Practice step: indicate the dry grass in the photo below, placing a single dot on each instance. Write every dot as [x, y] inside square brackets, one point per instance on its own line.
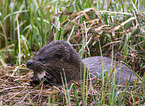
[16, 90]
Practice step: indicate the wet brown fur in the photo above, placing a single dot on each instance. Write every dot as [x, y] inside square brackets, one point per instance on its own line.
[55, 58]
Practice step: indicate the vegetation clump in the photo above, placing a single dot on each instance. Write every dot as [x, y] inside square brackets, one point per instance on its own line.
[113, 29]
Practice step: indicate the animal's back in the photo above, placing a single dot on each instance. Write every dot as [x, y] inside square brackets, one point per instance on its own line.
[123, 73]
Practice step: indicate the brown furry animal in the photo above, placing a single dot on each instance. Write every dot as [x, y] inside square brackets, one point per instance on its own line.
[54, 58]
[59, 57]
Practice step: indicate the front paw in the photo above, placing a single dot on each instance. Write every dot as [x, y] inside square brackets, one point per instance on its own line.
[48, 81]
[34, 81]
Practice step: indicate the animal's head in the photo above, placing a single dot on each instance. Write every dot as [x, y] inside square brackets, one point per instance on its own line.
[52, 58]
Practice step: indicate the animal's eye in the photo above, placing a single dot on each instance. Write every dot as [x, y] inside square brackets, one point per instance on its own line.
[40, 60]
[59, 56]
[43, 60]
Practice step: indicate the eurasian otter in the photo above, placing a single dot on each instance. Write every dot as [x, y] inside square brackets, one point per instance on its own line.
[57, 57]
[54, 58]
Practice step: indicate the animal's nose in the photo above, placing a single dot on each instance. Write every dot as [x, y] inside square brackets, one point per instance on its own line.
[29, 63]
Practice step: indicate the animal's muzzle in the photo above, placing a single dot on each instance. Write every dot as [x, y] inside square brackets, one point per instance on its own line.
[29, 63]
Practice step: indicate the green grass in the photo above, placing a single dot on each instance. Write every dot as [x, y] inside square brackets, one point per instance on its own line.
[96, 27]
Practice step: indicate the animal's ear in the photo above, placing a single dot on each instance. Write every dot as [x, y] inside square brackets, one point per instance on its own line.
[62, 53]
[59, 53]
